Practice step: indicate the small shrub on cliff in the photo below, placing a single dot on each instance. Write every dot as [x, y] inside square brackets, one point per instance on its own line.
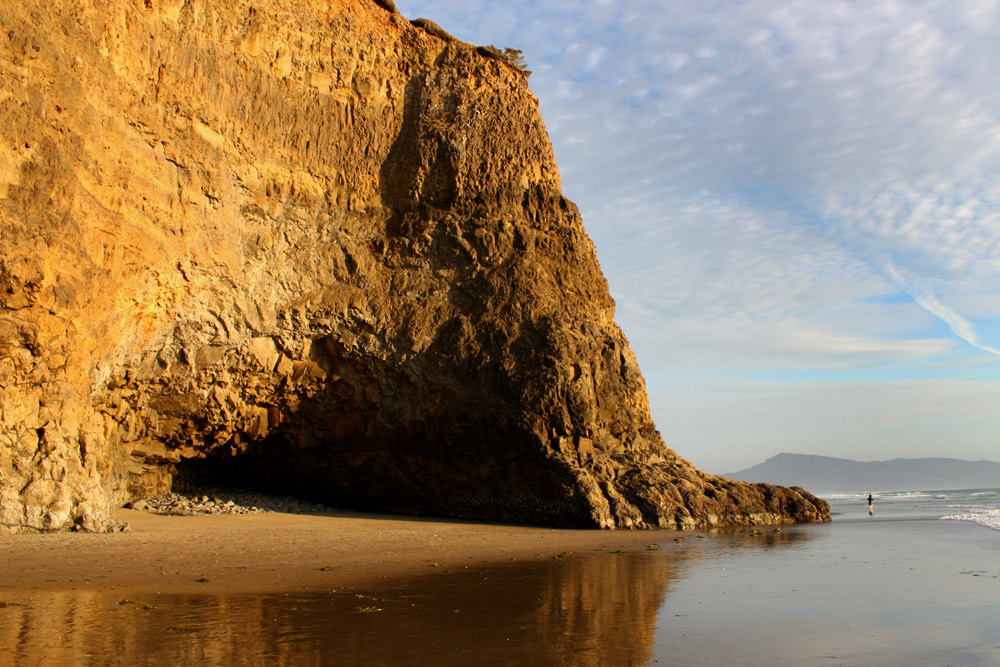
[513, 57]
[491, 52]
[433, 28]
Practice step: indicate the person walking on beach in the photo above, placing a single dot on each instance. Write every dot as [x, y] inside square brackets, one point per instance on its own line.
[871, 508]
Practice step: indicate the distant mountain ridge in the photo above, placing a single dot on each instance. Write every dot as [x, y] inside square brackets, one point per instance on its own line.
[825, 474]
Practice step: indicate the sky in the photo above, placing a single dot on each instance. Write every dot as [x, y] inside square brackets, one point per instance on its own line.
[796, 204]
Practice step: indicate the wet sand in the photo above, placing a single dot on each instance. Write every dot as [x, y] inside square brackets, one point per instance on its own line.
[273, 553]
[907, 589]
[918, 592]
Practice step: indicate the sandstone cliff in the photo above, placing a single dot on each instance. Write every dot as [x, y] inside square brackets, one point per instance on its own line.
[313, 248]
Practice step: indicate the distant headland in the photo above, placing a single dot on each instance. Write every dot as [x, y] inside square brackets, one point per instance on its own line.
[825, 474]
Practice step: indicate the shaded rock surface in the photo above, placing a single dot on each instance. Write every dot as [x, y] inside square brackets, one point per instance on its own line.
[313, 249]
[223, 501]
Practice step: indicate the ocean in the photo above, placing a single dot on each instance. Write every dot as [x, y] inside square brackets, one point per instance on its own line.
[980, 506]
[917, 583]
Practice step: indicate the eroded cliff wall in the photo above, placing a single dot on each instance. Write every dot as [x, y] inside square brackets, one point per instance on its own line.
[311, 247]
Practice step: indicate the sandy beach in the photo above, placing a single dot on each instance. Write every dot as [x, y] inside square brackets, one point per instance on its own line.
[344, 589]
[275, 552]
[900, 588]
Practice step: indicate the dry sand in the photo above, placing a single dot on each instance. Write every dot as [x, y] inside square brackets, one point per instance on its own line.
[275, 552]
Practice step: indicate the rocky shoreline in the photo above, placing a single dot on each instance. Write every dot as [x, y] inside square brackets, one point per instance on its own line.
[224, 501]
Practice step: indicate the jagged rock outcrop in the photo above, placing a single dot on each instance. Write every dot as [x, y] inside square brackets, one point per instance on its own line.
[313, 248]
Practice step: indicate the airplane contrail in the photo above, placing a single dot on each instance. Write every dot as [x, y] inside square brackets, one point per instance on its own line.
[924, 298]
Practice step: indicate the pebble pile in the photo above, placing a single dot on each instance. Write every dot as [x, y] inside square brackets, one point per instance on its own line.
[218, 501]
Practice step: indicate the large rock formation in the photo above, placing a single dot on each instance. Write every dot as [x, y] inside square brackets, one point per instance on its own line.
[312, 248]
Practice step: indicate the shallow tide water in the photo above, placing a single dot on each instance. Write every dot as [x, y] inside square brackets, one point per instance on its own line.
[900, 588]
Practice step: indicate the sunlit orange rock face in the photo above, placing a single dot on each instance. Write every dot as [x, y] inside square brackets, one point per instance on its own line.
[312, 248]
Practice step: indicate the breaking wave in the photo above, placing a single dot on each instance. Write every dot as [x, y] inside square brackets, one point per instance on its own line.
[984, 517]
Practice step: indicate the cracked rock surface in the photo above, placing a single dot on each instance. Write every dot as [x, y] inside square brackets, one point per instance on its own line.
[313, 249]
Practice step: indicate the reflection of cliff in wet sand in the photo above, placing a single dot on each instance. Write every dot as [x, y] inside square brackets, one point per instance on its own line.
[588, 609]
[314, 248]
[602, 611]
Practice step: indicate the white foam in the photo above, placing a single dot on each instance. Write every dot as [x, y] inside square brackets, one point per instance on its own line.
[880, 495]
[905, 495]
[985, 517]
